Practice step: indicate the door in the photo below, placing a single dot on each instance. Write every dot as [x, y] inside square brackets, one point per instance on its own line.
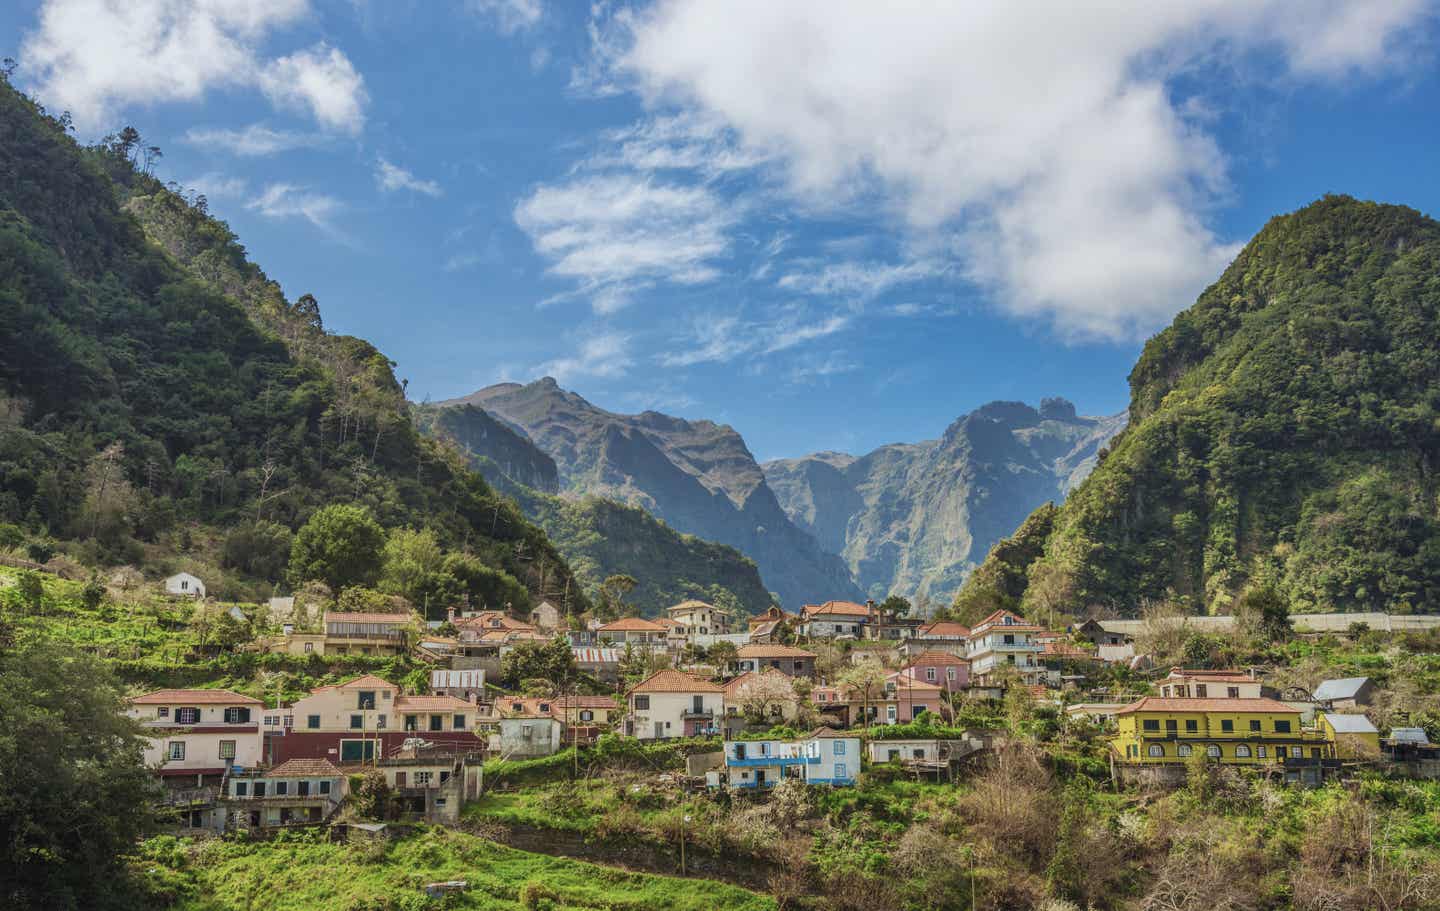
[659, 730]
[399, 779]
[759, 778]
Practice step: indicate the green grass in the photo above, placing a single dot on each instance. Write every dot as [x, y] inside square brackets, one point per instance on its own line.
[302, 872]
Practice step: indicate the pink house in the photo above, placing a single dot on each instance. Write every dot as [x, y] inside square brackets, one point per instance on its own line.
[949, 672]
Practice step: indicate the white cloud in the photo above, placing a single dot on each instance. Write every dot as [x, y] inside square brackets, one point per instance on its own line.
[253, 141]
[510, 15]
[689, 142]
[722, 338]
[322, 81]
[283, 200]
[214, 185]
[1044, 140]
[392, 177]
[604, 355]
[859, 279]
[809, 371]
[94, 57]
[615, 233]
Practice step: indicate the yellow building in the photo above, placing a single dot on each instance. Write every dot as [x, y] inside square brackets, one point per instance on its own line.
[1355, 737]
[1156, 730]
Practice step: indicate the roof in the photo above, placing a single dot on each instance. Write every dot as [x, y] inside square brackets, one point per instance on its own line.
[359, 617]
[306, 768]
[847, 608]
[693, 604]
[945, 629]
[1178, 704]
[1057, 649]
[672, 681]
[1351, 724]
[935, 656]
[1342, 688]
[1226, 675]
[761, 650]
[197, 697]
[363, 680]
[632, 625]
[432, 704]
[1409, 735]
[586, 702]
[1007, 620]
[763, 627]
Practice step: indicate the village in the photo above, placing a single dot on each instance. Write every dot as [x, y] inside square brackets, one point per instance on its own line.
[815, 698]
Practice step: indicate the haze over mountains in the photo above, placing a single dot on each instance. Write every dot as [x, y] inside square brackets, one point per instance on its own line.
[911, 518]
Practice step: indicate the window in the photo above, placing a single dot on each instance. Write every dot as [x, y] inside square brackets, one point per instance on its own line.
[1157, 749]
[544, 708]
[163, 712]
[379, 722]
[241, 788]
[227, 749]
[642, 703]
[1255, 725]
[259, 789]
[1201, 691]
[1296, 752]
[1260, 752]
[587, 715]
[458, 722]
[890, 713]
[422, 779]
[357, 722]
[841, 771]
[1170, 725]
[272, 721]
[1212, 750]
[919, 752]
[1282, 727]
[177, 750]
[237, 716]
[930, 673]
[839, 748]
[1191, 726]
[949, 673]
[739, 751]
[1233, 692]
[1242, 751]
[302, 788]
[187, 716]
[437, 722]
[357, 750]
[412, 722]
[1227, 725]
[1009, 638]
[1150, 724]
[312, 721]
[309, 647]
[1184, 749]
[282, 788]
[325, 787]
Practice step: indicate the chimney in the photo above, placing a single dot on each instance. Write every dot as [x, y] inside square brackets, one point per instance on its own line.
[450, 614]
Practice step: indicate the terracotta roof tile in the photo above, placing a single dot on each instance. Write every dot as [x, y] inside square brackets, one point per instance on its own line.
[306, 768]
[197, 697]
[432, 704]
[672, 681]
[761, 650]
[1177, 704]
[357, 617]
[845, 608]
[632, 625]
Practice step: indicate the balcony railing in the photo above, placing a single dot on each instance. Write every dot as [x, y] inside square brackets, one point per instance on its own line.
[694, 713]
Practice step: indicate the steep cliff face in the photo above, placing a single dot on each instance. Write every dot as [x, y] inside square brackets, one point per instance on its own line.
[1284, 433]
[697, 476]
[914, 518]
[495, 449]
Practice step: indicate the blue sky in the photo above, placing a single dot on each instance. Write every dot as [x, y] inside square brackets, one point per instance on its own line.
[831, 231]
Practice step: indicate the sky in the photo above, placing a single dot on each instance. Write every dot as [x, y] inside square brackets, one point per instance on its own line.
[832, 224]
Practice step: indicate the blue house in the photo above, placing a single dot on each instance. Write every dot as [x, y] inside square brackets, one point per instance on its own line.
[822, 757]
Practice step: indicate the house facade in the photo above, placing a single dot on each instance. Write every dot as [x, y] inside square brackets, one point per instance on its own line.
[633, 631]
[184, 585]
[700, 618]
[197, 736]
[298, 792]
[468, 684]
[824, 756]
[836, 619]
[669, 703]
[788, 660]
[546, 617]
[1158, 730]
[1354, 735]
[949, 672]
[352, 633]
[1202, 684]
[1005, 639]
[368, 718]
[528, 736]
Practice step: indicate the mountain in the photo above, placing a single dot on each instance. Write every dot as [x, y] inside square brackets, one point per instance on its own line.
[915, 518]
[162, 400]
[698, 477]
[1284, 436]
[599, 537]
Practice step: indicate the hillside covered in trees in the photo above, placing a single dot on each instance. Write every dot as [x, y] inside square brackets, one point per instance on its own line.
[1284, 437]
[164, 405]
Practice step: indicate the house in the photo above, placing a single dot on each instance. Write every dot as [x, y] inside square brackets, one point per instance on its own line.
[1112, 645]
[1355, 736]
[1181, 684]
[769, 626]
[295, 793]
[430, 780]
[1345, 692]
[1244, 731]
[1005, 639]
[923, 750]
[669, 703]
[769, 693]
[368, 718]
[354, 633]
[468, 685]
[836, 619]
[197, 736]
[900, 700]
[795, 662]
[528, 736]
[949, 672]
[184, 585]
[546, 617]
[633, 631]
[824, 756]
[601, 663]
[699, 618]
[587, 711]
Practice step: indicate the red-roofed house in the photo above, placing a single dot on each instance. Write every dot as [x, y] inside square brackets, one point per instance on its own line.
[1005, 639]
[836, 619]
[670, 703]
[633, 630]
[949, 672]
[368, 717]
[196, 735]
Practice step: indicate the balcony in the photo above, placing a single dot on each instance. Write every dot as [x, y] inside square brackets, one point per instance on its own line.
[692, 714]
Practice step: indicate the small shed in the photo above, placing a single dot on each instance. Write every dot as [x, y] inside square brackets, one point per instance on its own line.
[1355, 737]
[1345, 692]
[184, 585]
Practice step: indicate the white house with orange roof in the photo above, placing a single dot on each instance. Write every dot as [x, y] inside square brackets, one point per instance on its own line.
[700, 618]
[633, 631]
[1005, 639]
[197, 736]
[670, 703]
[1201, 684]
[836, 619]
[368, 717]
[795, 662]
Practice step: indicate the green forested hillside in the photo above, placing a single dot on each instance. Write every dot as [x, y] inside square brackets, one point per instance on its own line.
[161, 400]
[1284, 433]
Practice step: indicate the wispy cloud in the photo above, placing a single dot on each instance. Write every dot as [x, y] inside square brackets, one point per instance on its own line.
[715, 338]
[863, 280]
[322, 81]
[509, 16]
[811, 372]
[214, 185]
[391, 177]
[253, 141]
[283, 200]
[602, 356]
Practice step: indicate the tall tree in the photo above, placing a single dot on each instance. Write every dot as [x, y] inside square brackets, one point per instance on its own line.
[340, 546]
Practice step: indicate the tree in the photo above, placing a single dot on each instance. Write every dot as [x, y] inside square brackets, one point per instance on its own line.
[31, 590]
[1264, 613]
[866, 679]
[895, 607]
[74, 792]
[612, 595]
[414, 568]
[260, 549]
[552, 661]
[484, 586]
[764, 695]
[723, 654]
[340, 545]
